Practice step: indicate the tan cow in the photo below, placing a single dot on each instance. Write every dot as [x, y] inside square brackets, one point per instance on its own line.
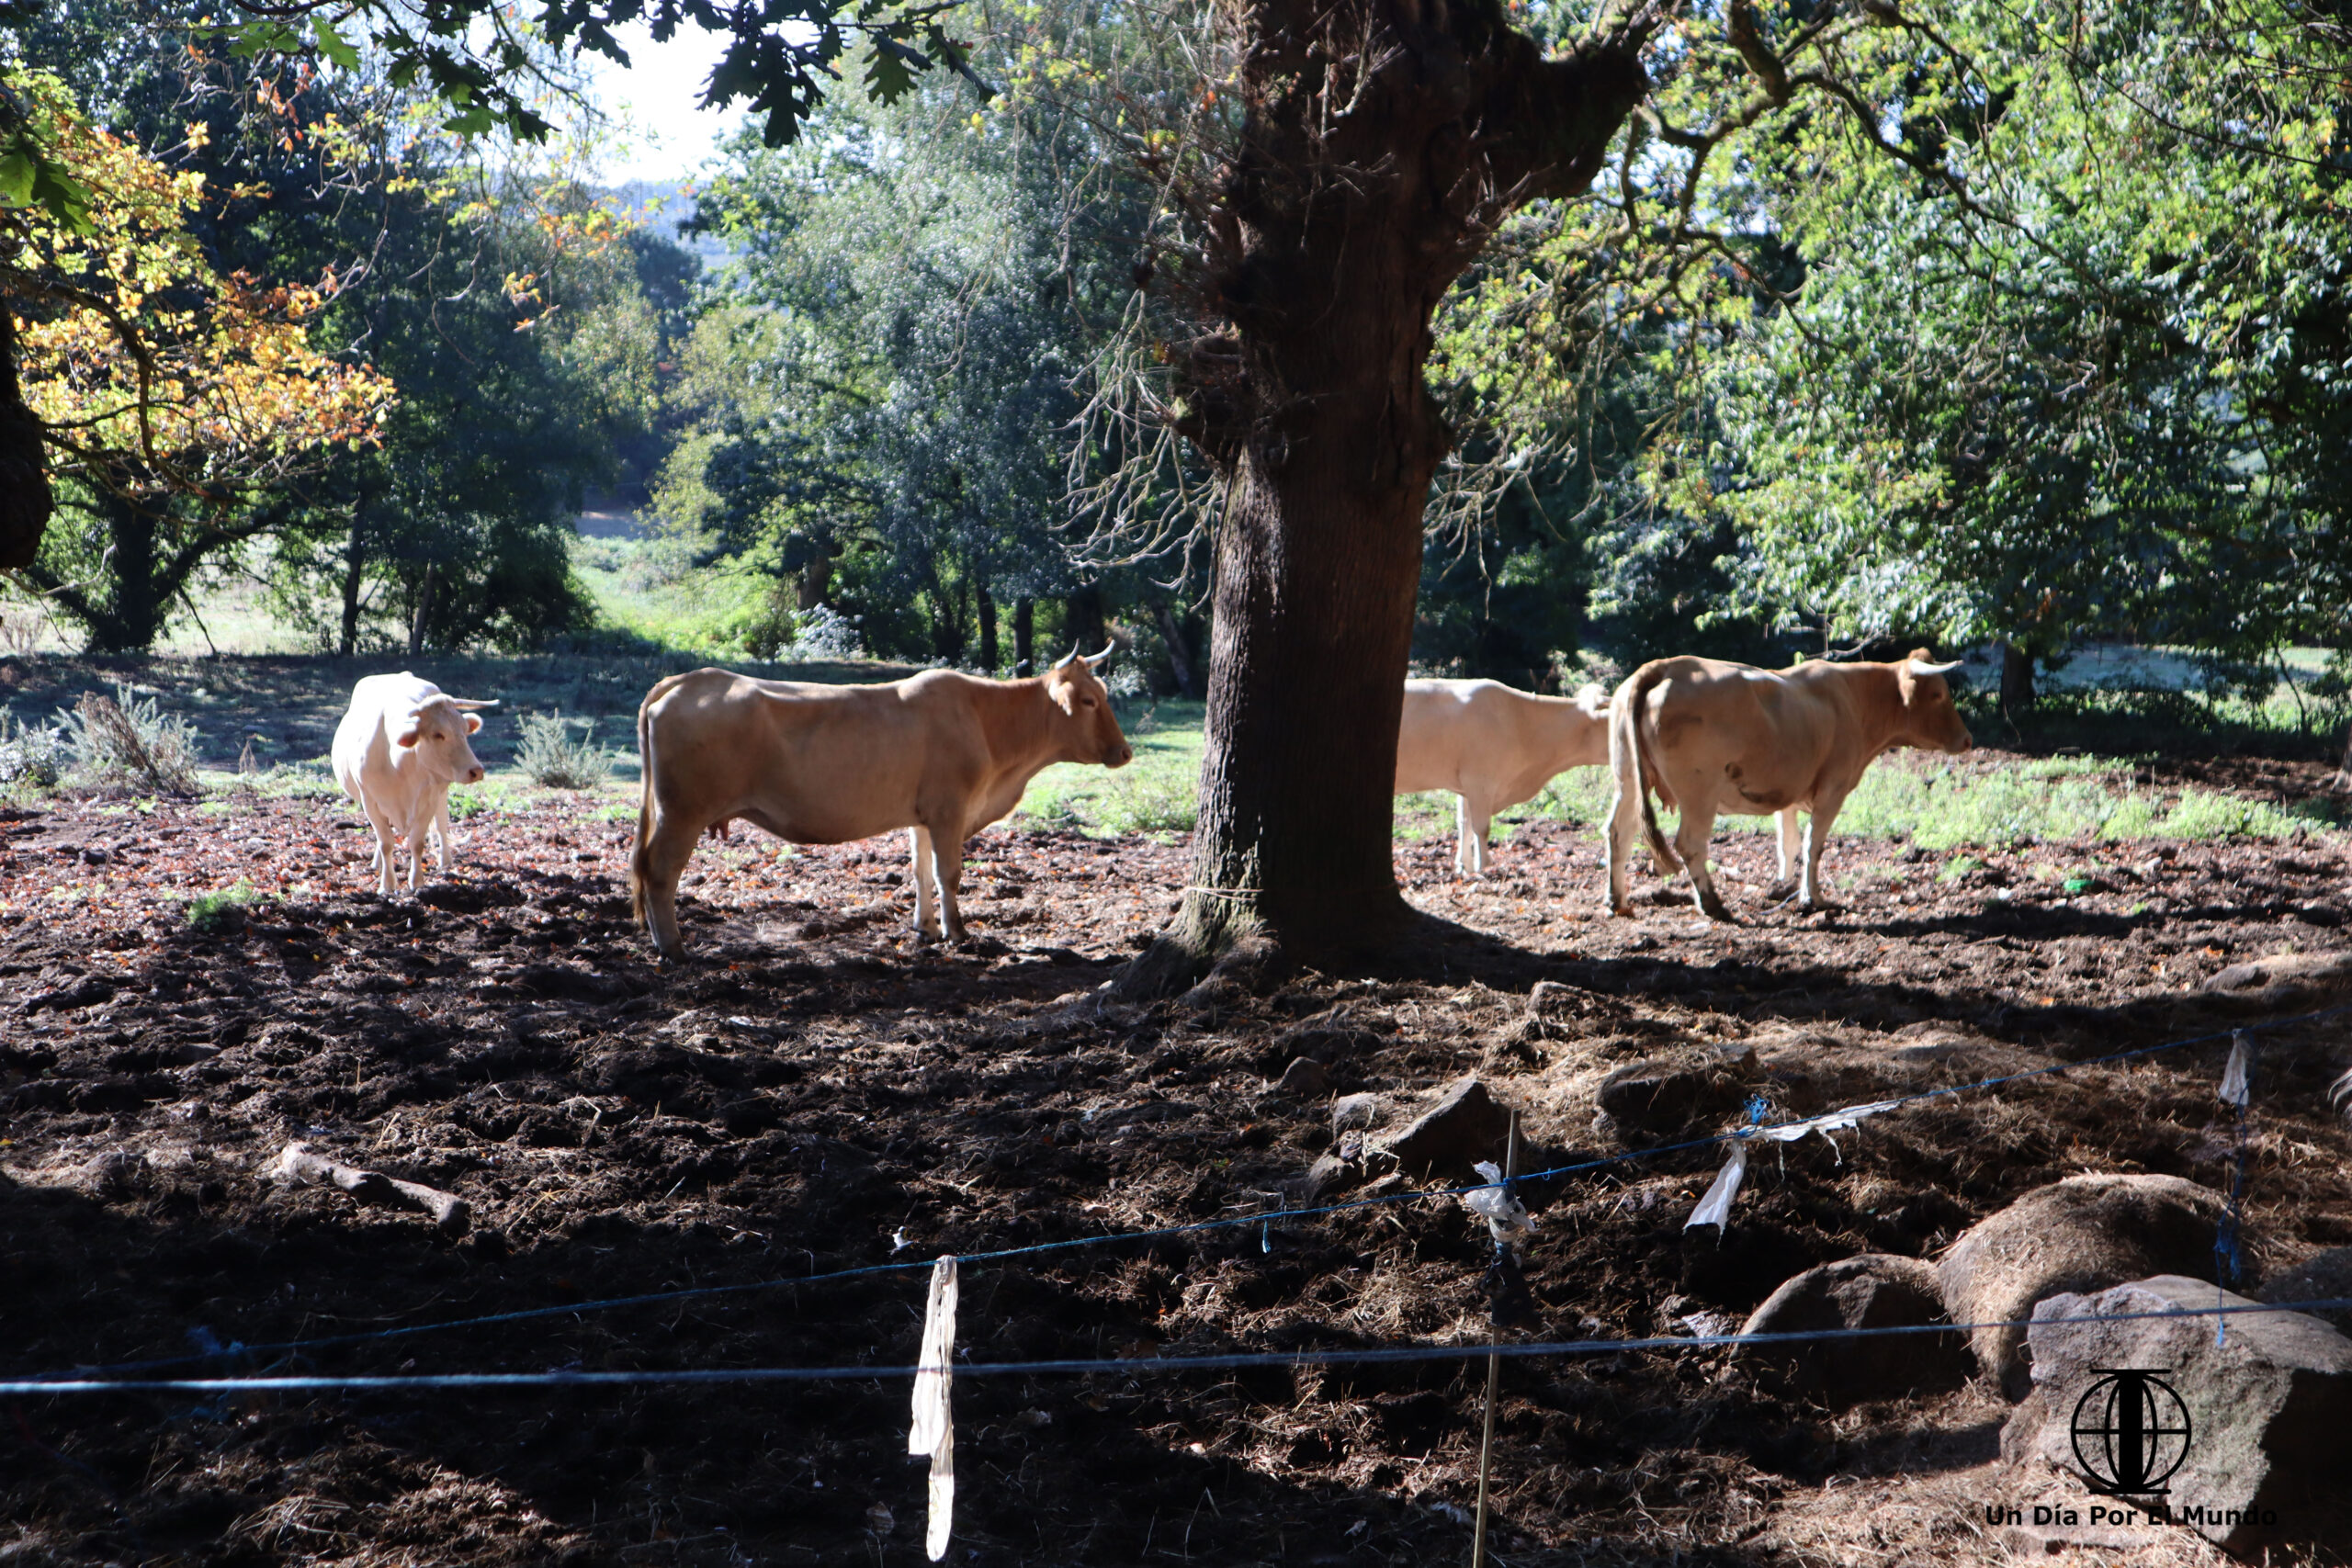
[1710, 737]
[942, 754]
[1494, 748]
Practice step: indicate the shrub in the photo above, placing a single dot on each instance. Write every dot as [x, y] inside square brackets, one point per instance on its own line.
[125, 742]
[32, 756]
[1163, 801]
[549, 756]
[222, 910]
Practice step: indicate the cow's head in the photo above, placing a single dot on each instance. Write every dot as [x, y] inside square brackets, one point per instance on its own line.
[438, 733]
[1929, 719]
[1091, 729]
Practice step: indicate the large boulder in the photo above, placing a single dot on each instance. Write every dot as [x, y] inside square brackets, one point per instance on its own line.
[2083, 1233]
[2252, 1453]
[1663, 1099]
[1874, 1291]
[1464, 1127]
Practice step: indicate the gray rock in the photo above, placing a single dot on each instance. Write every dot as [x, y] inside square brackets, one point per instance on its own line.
[1464, 1127]
[1330, 1175]
[1672, 1097]
[1874, 1291]
[2086, 1233]
[2322, 1277]
[1354, 1114]
[2263, 1460]
[1304, 1078]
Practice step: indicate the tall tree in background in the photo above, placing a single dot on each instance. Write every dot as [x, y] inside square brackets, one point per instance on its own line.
[174, 395]
[881, 398]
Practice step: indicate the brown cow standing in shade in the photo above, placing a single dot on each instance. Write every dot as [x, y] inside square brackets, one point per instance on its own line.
[1708, 737]
[943, 754]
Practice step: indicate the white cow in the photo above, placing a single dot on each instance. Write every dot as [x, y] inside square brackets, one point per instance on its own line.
[396, 751]
[1494, 748]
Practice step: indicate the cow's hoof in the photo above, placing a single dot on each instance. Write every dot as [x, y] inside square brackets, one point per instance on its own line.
[1713, 909]
[1625, 911]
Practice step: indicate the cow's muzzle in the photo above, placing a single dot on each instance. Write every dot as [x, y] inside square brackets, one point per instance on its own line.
[473, 776]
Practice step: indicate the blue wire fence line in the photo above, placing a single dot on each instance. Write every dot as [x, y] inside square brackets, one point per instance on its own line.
[1264, 1220]
[1236, 1360]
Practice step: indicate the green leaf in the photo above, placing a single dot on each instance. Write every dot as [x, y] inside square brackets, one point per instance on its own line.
[261, 36]
[475, 121]
[334, 45]
[16, 177]
[890, 68]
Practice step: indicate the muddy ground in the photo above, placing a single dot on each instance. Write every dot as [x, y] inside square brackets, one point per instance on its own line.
[811, 1092]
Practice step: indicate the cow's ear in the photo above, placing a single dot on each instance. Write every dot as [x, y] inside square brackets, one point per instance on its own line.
[473, 723]
[406, 737]
[1065, 695]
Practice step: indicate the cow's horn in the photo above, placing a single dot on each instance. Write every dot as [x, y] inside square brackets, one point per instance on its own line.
[1919, 668]
[1067, 660]
[469, 702]
[1094, 661]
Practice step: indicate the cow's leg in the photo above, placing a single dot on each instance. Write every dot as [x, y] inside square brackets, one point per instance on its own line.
[387, 845]
[1624, 826]
[660, 859]
[444, 843]
[947, 853]
[1817, 823]
[925, 872]
[417, 824]
[1469, 838]
[1786, 820]
[1690, 841]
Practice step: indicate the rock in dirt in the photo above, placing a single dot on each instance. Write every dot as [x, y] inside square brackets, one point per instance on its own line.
[2324, 1277]
[2262, 1458]
[1306, 1077]
[1354, 1114]
[1664, 1097]
[1330, 1175]
[1873, 1291]
[1464, 1127]
[1336, 1034]
[2086, 1233]
[2284, 977]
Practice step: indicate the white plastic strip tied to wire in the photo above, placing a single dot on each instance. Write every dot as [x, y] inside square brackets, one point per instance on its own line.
[934, 1430]
[1714, 1209]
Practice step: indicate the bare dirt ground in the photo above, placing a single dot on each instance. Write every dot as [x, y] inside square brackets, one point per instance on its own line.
[810, 1090]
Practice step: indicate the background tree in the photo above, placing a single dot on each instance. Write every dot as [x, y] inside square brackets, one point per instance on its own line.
[175, 393]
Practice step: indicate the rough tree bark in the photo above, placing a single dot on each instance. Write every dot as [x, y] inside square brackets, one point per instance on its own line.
[24, 498]
[1024, 636]
[1382, 141]
[988, 628]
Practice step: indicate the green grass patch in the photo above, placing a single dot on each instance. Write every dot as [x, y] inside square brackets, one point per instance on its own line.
[1157, 792]
[222, 908]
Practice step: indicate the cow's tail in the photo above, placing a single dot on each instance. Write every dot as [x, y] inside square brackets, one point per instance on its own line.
[640, 860]
[1630, 759]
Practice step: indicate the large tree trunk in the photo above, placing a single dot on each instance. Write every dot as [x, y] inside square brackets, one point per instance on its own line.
[138, 597]
[25, 499]
[988, 628]
[1024, 636]
[1383, 141]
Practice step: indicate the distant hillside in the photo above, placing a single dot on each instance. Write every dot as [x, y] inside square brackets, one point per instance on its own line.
[666, 207]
